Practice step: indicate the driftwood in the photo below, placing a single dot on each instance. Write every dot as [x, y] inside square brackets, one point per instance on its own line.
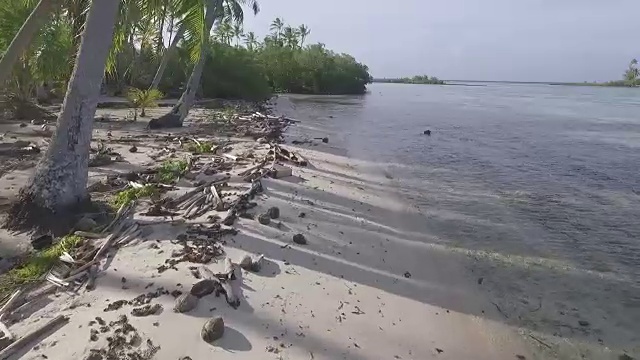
[7, 333]
[32, 336]
[92, 273]
[241, 202]
[10, 303]
[217, 200]
[223, 283]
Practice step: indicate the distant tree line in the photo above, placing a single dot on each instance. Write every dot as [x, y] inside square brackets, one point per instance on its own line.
[418, 79]
[630, 78]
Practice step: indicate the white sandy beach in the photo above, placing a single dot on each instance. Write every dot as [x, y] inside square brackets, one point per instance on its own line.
[366, 286]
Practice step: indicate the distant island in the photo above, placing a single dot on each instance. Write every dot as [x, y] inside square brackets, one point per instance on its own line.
[418, 79]
[630, 78]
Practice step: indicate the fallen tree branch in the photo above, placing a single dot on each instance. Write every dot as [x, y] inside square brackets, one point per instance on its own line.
[241, 202]
[32, 336]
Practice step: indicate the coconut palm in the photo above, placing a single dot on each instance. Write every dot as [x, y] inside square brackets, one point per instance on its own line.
[25, 35]
[225, 10]
[44, 60]
[60, 180]
[303, 32]
[237, 32]
[276, 27]
[290, 37]
[251, 40]
[224, 32]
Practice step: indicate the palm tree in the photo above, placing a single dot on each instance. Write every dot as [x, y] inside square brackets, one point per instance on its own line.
[216, 9]
[224, 32]
[251, 40]
[632, 72]
[60, 181]
[43, 61]
[25, 35]
[237, 32]
[276, 27]
[303, 32]
[290, 37]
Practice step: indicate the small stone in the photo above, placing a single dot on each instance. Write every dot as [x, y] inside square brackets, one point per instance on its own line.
[302, 215]
[256, 265]
[133, 149]
[274, 212]
[203, 288]
[583, 323]
[439, 350]
[427, 132]
[23, 125]
[480, 280]
[246, 262]
[262, 140]
[123, 280]
[212, 330]
[625, 357]
[299, 239]
[264, 219]
[325, 140]
[185, 303]
[407, 274]
[86, 224]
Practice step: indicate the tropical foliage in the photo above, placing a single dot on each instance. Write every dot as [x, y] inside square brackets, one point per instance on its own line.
[237, 64]
[143, 99]
[631, 76]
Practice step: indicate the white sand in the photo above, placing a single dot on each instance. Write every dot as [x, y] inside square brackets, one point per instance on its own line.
[343, 296]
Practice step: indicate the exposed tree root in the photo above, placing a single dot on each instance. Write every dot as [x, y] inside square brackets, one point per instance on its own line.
[25, 215]
[170, 120]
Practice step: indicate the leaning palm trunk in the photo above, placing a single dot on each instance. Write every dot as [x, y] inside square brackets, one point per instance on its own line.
[60, 180]
[23, 38]
[179, 112]
[166, 57]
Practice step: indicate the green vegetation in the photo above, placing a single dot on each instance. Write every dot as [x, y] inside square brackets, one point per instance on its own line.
[171, 170]
[238, 66]
[418, 79]
[631, 76]
[37, 264]
[142, 99]
[130, 194]
[201, 147]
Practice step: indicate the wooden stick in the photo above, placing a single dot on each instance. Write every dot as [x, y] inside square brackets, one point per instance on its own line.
[93, 273]
[218, 201]
[12, 300]
[5, 330]
[89, 234]
[116, 218]
[32, 336]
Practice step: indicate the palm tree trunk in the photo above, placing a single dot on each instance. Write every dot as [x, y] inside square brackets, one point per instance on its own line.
[160, 40]
[78, 19]
[175, 118]
[23, 38]
[166, 57]
[59, 183]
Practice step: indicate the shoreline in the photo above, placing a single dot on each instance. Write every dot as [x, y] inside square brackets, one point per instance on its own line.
[373, 301]
[368, 284]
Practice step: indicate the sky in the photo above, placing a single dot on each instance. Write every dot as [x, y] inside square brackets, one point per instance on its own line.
[515, 40]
